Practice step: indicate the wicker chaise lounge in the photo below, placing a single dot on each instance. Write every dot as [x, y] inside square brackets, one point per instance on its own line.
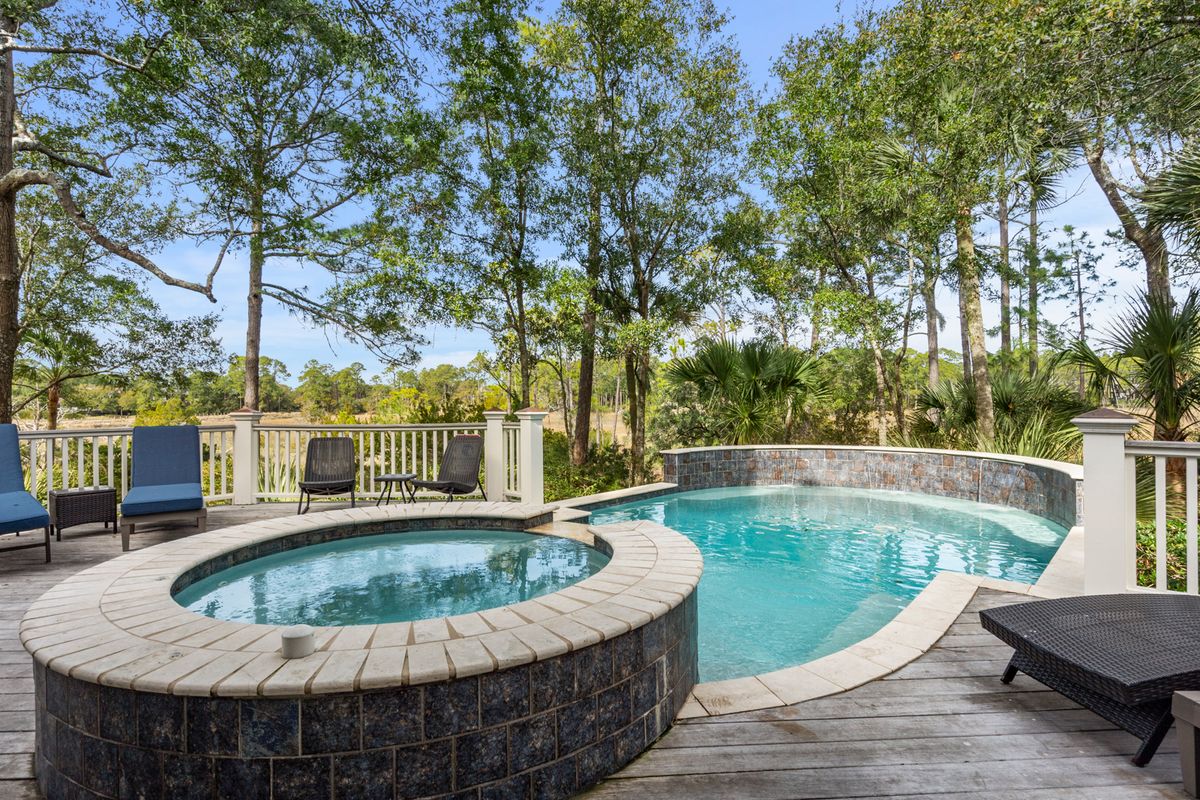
[1121, 656]
[166, 479]
[19, 510]
[458, 474]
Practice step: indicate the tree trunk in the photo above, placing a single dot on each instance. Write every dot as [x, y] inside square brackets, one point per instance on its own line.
[1033, 278]
[929, 295]
[632, 391]
[881, 413]
[965, 336]
[254, 306]
[10, 277]
[968, 267]
[1148, 239]
[587, 352]
[1005, 271]
[1082, 319]
[52, 401]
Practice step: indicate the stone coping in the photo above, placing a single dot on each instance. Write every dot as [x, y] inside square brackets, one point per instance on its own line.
[1075, 471]
[116, 624]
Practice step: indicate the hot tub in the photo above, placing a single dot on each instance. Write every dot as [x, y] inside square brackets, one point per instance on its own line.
[138, 696]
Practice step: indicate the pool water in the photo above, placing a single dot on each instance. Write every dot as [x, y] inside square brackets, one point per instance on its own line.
[793, 573]
[392, 578]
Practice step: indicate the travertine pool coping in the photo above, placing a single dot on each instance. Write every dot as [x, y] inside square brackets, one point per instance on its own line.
[910, 634]
[116, 624]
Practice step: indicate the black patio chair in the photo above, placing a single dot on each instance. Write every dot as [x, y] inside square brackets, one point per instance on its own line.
[329, 469]
[458, 473]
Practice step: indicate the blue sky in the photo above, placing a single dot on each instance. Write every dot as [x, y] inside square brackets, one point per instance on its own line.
[762, 27]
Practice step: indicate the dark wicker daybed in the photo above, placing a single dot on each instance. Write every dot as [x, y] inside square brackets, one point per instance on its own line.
[1121, 656]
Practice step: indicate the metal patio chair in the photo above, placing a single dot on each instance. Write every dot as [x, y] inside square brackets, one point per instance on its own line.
[458, 474]
[329, 468]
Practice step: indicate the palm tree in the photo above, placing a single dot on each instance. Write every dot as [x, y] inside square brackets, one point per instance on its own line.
[750, 390]
[52, 360]
[1173, 200]
[1154, 361]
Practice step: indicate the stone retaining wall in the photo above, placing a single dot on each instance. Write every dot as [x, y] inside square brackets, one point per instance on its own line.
[1037, 487]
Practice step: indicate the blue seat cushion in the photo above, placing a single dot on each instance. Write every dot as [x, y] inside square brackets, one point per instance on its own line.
[19, 511]
[162, 499]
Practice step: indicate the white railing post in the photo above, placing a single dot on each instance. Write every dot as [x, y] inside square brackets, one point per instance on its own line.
[493, 455]
[529, 456]
[245, 456]
[1107, 501]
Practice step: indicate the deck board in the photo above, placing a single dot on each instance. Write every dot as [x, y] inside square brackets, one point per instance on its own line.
[941, 727]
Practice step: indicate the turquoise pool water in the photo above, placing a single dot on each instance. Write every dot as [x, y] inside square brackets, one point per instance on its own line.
[793, 573]
[392, 578]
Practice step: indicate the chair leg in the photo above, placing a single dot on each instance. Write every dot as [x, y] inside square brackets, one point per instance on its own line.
[352, 498]
[202, 521]
[47, 544]
[300, 504]
[126, 530]
[1010, 672]
[1150, 744]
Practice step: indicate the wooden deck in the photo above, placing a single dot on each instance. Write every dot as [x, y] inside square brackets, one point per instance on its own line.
[943, 726]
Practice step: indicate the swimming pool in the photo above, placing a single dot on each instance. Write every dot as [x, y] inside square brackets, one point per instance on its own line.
[392, 578]
[792, 573]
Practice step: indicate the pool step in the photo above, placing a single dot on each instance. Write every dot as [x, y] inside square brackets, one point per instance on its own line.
[567, 530]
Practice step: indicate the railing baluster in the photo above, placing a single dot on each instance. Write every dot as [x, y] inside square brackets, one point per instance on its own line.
[1193, 580]
[1160, 522]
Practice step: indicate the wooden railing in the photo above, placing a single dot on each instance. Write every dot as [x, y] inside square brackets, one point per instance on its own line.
[248, 462]
[1116, 469]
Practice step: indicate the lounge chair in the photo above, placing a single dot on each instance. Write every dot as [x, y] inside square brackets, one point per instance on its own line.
[166, 479]
[458, 473]
[329, 468]
[19, 510]
[1121, 656]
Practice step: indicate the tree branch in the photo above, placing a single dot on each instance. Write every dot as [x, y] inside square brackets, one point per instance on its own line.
[18, 179]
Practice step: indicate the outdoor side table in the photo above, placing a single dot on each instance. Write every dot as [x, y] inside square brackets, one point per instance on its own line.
[1121, 656]
[70, 507]
[408, 492]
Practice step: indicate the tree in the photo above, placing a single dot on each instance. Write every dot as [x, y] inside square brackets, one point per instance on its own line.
[83, 314]
[57, 61]
[282, 118]
[1154, 359]
[501, 103]
[743, 389]
[666, 89]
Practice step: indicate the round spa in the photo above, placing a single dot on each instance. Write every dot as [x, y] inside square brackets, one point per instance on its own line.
[455, 655]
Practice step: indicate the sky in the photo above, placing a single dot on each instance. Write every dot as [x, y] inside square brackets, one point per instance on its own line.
[762, 28]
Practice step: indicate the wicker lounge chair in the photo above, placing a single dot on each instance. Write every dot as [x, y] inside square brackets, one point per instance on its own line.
[19, 510]
[458, 473]
[329, 468]
[1121, 656]
[166, 479]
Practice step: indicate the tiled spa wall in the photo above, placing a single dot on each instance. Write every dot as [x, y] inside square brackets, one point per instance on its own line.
[542, 730]
[1037, 488]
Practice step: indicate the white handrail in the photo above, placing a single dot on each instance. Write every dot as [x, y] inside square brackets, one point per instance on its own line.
[1110, 491]
[248, 462]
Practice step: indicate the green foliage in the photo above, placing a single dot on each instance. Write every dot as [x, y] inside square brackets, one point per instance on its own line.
[1176, 555]
[1154, 360]
[1033, 417]
[172, 411]
[749, 392]
[605, 470]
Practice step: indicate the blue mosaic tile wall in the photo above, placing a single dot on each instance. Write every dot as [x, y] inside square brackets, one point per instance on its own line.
[543, 730]
[1039, 490]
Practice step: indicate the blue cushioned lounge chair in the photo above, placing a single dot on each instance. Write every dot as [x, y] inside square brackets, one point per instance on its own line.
[166, 479]
[19, 510]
